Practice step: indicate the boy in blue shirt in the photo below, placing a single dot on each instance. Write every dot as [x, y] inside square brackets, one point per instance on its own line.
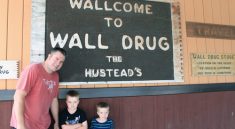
[102, 122]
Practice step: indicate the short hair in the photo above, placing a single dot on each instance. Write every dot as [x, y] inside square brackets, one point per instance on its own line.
[102, 105]
[72, 93]
[58, 49]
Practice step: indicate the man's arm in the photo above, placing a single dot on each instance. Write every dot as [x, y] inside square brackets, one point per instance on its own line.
[55, 112]
[83, 125]
[19, 99]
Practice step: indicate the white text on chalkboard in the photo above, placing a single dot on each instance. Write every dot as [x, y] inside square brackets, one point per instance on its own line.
[137, 42]
[116, 6]
[91, 73]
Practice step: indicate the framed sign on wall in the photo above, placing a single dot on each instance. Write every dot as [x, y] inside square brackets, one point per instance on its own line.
[113, 41]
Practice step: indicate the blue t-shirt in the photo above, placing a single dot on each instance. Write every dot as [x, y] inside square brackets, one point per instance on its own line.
[106, 125]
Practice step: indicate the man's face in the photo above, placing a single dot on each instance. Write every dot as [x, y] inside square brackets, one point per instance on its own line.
[55, 61]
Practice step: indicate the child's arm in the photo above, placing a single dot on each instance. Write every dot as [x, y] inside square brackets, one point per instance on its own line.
[75, 126]
[82, 125]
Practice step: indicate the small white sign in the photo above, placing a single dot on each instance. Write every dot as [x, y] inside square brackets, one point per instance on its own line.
[9, 69]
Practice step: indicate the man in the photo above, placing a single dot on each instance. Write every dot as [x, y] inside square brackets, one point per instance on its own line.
[36, 93]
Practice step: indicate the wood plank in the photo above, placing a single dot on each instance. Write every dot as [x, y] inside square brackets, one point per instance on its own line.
[198, 11]
[26, 32]
[127, 85]
[216, 11]
[225, 21]
[210, 45]
[151, 84]
[14, 36]
[101, 85]
[87, 86]
[163, 84]
[159, 112]
[114, 85]
[89, 106]
[139, 84]
[3, 35]
[62, 86]
[73, 86]
[232, 22]
[219, 48]
[189, 10]
[115, 111]
[211, 49]
[202, 48]
[201, 44]
[231, 12]
[146, 111]
[192, 46]
[136, 122]
[5, 111]
[219, 45]
[126, 113]
[207, 7]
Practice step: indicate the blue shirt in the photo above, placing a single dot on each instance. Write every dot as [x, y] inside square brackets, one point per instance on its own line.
[106, 125]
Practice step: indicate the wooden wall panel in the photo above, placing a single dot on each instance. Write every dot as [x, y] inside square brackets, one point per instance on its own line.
[225, 21]
[232, 22]
[26, 32]
[3, 35]
[3, 28]
[14, 35]
[219, 45]
[191, 42]
[184, 111]
[147, 110]
[5, 111]
[201, 42]
[213, 110]
[210, 45]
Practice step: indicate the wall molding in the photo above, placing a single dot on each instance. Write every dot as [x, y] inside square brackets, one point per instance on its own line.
[137, 91]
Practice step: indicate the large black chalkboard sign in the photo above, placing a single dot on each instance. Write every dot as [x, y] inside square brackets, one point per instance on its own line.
[112, 40]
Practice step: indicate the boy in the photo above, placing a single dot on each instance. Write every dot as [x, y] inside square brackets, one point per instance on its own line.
[102, 122]
[72, 117]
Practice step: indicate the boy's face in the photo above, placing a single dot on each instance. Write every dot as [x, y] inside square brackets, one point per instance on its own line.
[103, 113]
[72, 102]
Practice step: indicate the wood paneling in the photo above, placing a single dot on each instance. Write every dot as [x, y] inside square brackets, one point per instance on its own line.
[225, 21]
[14, 35]
[213, 110]
[5, 111]
[191, 42]
[3, 35]
[201, 43]
[26, 32]
[15, 29]
[210, 45]
[219, 45]
[232, 22]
